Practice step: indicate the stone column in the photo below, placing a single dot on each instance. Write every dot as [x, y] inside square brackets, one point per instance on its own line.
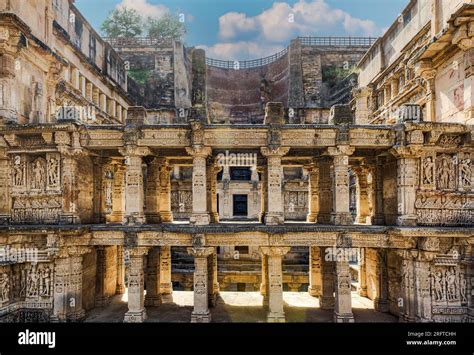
[70, 174]
[61, 286]
[313, 194]
[362, 276]
[325, 194]
[4, 186]
[152, 197]
[343, 305]
[213, 289]
[340, 184]
[152, 297]
[263, 196]
[101, 297]
[326, 299]
[120, 271]
[264, 283]
[381, 286]
[200, 214]
[315, 279]
[75, 311]
[98, 181]
[407, 183]
[118, 196]
[406, 302]
[211, 174]
[166, 286]
[274, 214]
[363, 208]
[201, 312]
[136, 305]
[164, 191]
[275, 282]
[379, 216]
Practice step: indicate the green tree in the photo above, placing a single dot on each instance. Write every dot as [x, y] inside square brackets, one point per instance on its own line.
[168, 27]
[123, 22]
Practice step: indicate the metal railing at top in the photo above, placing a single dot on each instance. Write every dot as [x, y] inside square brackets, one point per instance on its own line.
[338, 41]
[245, 64]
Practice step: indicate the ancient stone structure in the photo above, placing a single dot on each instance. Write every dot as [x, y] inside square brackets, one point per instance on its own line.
[91, 184]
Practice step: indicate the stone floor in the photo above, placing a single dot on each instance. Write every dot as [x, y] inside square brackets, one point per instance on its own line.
[240, 307]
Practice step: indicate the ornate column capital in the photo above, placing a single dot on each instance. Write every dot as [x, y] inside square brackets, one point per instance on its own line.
[275, 251]
[274, 152]
[138, 252]
[134, 151]
[199, 151]
[200, 252]
[340, 150]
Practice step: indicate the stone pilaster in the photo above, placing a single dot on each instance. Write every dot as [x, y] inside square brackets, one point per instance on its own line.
[164, 191]
[70, 194]
[152, 197]
[201, 312]
[363, 207]
[340, 181]
[61, 286]
[343, 300]
[315, 277]
[134, 184]
[362, 276]
[136, 305]
[406, 302]
[120, 271]
[200, 214]
[263, 196]
[274, 214]
[313, 194]
[407, 183]
[275, 282]
[264, 283]
[325, 194]
[326, 299]
[213, 289]
[4, 185]
[166, 286]
[377, 176]
[101, 297]
[98, 180]
[381, 286]
[152, 297]
[211, 174]
[118, 195]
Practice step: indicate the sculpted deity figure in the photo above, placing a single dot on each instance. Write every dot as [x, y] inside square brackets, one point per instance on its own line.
[32, 285]
[451, 283]
[439, 286]
[53, 178]
[38, 175]
[444, 174]
[428, 166]
[465, 172]
[4, 288]
[45, 289]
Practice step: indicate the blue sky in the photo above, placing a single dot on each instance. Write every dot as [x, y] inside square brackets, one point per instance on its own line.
[246, 29]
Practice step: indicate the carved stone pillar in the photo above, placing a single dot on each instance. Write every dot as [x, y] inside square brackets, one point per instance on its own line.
[4, 186]
[363, 208]
[98, 180]
[263, 196]
[275, 282]
[134, 185]
[212, 170]
[264, 283]
[326, 299]
[164, 191]
[152, 196]
[201, 312]
[407, 183]
[315, 278]
[136, 305]
[101, 297]
[166, 286]
[343, 305]
[213, 289]
[61, 286]
[69, 166]
[118, 195]
[325, 194]
[120, 271]
[340, 178]
[152, 297]
[274, 214]
[313, 194]
[362, 276]
[406, 302]
[379, 216]
[381, 285]
[200, 215]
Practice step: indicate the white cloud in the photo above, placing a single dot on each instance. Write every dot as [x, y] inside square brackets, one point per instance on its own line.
[276, 26]
[144, 8]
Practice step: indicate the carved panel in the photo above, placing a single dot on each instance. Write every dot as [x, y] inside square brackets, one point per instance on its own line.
[445, 208]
